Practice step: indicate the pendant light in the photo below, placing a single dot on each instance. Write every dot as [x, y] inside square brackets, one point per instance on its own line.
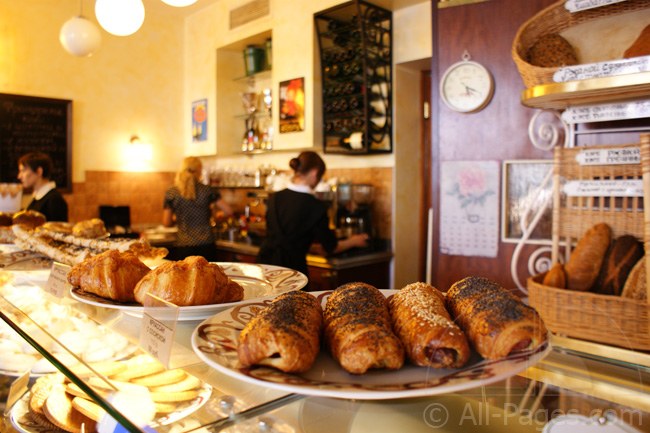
[80, 36]
[179, 3]
[120, 17]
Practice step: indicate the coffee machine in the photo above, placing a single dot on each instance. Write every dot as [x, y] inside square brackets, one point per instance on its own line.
[354, 212]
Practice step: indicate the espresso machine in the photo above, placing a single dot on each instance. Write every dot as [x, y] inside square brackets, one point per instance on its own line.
[354, 210]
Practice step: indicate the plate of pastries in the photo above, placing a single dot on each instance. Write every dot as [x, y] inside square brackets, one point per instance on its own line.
[54, 404]
[361, 342]
[120, 280]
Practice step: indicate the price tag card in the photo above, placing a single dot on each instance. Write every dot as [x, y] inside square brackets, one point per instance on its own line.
[158, 328]
[17, 389]
[581, 5]
[57, 283]
[602, 69]
[604, 188]
[630, 155]
[607, 112]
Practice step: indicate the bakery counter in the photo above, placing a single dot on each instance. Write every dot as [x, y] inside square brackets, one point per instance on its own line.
[371, 264]
[566, 388]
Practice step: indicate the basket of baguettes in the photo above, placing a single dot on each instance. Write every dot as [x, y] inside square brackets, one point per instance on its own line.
[597, 287]
[542, 45]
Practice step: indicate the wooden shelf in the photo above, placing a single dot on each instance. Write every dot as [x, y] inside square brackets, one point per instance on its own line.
[591, 91]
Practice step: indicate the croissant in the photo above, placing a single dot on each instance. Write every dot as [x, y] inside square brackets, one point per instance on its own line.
[358, 329]
[111, 274]
[192, 281]
[496, 322]
[422, 322]
[284, 335]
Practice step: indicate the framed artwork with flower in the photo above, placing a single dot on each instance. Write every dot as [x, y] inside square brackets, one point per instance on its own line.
[527, 188]
[200, 120]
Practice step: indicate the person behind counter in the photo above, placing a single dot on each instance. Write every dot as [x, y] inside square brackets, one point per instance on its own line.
[34, 171]
[190, 204]
[295, 219]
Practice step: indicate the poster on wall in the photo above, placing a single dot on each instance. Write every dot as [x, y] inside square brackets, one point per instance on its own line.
[469, 208]
[200, 120]
[292, 105]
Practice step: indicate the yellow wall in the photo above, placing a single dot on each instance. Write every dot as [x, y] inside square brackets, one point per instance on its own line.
[131, 85]
[145, 83]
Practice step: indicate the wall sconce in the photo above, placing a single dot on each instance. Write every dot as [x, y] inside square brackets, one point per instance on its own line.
[120, 17]
[140, 151]
[80, 36]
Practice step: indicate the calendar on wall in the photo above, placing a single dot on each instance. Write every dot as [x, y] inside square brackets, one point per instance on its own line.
[469, 208]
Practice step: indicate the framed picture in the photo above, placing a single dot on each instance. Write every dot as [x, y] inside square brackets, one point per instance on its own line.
[526, 188]
[292, 105]
[200, 120]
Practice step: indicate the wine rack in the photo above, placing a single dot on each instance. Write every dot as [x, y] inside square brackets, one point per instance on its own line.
[355, 46]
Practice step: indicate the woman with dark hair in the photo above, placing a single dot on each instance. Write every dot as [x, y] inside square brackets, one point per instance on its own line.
[35, 171]
[190, 204]
[295, 219]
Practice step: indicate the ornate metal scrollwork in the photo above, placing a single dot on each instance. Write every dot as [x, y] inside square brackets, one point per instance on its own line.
[547, 129]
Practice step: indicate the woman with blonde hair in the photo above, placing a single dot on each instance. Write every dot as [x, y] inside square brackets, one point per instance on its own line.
[190, 204]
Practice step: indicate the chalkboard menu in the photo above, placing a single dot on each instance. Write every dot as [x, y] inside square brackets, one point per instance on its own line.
[29, 124]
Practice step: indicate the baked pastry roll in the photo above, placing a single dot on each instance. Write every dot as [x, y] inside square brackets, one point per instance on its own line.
[496, 321]
[358, 329]
[111, 274]
[422, 322]
[284, 335]
[192, 281]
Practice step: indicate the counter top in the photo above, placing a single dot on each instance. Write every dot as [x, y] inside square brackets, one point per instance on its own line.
[377, 253]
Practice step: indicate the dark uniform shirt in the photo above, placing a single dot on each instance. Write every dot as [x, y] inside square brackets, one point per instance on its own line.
[294, 221]
[52, 205]
[192, 216]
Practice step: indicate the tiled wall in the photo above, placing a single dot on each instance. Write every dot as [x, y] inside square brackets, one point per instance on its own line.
[144, 193]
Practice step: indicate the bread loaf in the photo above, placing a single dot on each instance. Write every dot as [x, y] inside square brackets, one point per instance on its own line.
[641, 46]
[636, 283]
[551, 51]
[555, 277]
[585, 261]
[621, 257]
[29, 218]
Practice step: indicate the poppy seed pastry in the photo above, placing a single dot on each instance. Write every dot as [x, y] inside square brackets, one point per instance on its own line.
[552, 51]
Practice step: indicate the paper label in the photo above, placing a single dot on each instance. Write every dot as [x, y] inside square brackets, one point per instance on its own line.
[604, 188]
[157, 338]
[57, 283]
[609, 68]
[581, 5]
[607, 112]
[17, 389]
[630, 155]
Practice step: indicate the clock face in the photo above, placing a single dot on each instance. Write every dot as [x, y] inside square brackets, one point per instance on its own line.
[466, 86]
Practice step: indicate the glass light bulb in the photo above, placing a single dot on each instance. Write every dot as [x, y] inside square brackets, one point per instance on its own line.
[179, 3]
[120, 17]
[80, 36]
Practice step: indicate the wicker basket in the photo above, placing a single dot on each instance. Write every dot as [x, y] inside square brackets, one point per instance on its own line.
[555, 19]
[591, 316]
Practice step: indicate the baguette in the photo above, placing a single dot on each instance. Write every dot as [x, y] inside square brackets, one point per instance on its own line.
[586, 259]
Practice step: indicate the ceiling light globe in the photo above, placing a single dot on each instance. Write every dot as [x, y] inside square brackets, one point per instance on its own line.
[120, 17]
[179, 3]
[80, 37]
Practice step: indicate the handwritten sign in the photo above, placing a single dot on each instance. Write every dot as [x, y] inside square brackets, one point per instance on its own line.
[57, 283]
[631, 155]
[602, 69]
[158, 328]
[607, 112]
[607, 188]
[581, 5]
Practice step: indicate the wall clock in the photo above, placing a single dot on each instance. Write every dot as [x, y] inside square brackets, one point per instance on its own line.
[466, 86]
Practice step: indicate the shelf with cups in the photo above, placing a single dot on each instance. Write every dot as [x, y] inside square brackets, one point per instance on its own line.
[355, 55]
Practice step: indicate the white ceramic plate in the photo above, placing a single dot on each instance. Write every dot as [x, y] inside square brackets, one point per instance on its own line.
[24, 423]
[258, 281]
[215, 341]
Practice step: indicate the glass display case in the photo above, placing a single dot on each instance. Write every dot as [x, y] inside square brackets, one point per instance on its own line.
[570, 385]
